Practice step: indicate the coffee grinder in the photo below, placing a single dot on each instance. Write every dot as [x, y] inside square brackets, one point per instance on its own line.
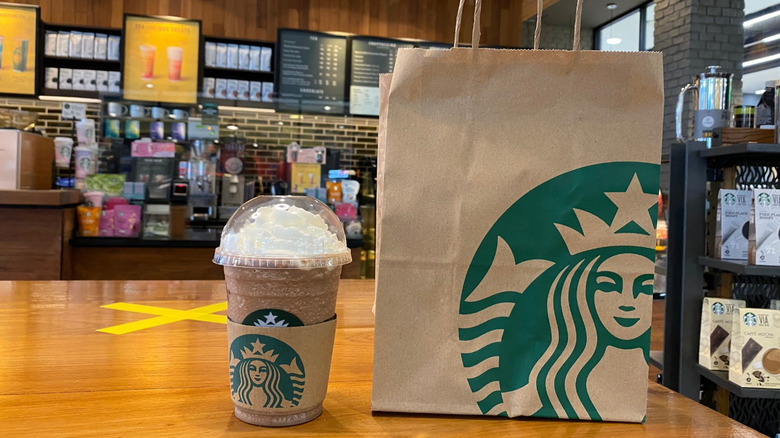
[236, 188]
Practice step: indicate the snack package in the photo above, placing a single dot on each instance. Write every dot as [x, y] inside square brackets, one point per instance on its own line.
[232, 89]
[268, 92]
[102, 80]
[221, 55]
[106, 224]
[89, 218]
[256, 91]
[127, 220]
[114, 42]
[65, 80]
[732, 227]
[101, 46]
[211, 55]
[50, 46]
[716, 319]
[243, 90]
[755, 348]
[243, 57]
[232, 56]
[254, 58]
[265, 58]
[88, 45]
[220, 89]
[208, 87]
[764, 240]
[63, 43]
[74, 46]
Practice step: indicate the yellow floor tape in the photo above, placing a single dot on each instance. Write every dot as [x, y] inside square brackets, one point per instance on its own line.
[165, 316]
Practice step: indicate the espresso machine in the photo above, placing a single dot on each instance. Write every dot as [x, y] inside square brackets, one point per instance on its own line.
[711, 105]
[202, 175]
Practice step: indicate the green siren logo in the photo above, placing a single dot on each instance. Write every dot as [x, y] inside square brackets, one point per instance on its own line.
[559, 295]
[265, 372]
[730, 199]
[718, 308]
[272, 318]
[750, 319]
[764, 199]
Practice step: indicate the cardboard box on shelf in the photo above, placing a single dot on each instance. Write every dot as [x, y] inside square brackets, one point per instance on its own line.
[717, 316]
[755, 348]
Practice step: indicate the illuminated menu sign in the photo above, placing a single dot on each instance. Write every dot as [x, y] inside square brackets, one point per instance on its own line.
[370, 57]
[18, 32]
[161, 59]
[311, 72]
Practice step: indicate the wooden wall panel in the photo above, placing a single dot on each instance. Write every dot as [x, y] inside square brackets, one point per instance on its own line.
[259, 19]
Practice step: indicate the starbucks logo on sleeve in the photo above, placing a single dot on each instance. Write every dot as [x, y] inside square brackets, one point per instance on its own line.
[265, 372]
[272, 318]
[559, 293]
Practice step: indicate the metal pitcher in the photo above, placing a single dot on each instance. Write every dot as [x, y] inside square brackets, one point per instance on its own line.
[711, 106]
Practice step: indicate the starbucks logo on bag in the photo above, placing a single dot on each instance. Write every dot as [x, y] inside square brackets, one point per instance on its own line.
[730, 199]
[558, 296]
[265, 372]
[718, 309]
[764, 199]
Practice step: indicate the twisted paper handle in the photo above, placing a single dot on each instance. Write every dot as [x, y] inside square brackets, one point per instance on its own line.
[475, 32]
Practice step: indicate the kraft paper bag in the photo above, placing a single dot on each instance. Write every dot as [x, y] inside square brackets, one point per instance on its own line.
[516, 232]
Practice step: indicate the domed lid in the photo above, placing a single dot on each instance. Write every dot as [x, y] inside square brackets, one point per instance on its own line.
[283, 232]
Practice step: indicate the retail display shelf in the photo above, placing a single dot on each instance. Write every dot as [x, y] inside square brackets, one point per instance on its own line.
[739, 266]
[721, 378]
[742, 150]
[657, 359]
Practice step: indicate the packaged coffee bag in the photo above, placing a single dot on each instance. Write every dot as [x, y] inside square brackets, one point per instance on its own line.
[755, 348]
[716, 319]
[733, 224]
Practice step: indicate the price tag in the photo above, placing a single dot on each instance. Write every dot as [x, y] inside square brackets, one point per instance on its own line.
[72, 110]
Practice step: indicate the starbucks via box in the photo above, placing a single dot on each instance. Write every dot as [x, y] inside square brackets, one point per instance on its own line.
[716, 320]
[764, 241]
[733, 224]
[755, 348]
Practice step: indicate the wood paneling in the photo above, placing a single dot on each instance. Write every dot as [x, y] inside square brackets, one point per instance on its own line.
[31, 243]
[122, 263]
[258, 19]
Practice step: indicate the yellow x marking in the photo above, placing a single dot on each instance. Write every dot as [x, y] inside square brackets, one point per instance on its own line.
[165, 316]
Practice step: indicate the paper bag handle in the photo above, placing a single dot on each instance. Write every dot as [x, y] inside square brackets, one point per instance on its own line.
[475, 31]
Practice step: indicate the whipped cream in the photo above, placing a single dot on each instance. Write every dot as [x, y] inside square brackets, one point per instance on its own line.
[282, 231]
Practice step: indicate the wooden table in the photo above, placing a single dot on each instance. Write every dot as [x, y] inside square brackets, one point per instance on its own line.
[60, 376]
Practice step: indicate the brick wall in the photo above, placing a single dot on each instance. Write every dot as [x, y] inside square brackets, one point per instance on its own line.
[266, 133]
[555, 37]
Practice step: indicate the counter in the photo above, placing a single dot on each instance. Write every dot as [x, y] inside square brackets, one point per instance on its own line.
[169, 373]
[175, 258]
[36, 227]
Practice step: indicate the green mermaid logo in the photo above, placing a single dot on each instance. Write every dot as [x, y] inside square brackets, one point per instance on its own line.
[265, 372]
[559, 295]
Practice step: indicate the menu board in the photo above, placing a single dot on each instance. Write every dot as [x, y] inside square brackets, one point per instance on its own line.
[18, 32]
[161, 59]
[370, 57]
[311, 72]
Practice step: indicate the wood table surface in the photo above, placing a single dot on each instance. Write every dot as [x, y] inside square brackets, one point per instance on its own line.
[60, 376]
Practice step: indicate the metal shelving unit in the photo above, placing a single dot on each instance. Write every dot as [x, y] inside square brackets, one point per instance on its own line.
[755, 165]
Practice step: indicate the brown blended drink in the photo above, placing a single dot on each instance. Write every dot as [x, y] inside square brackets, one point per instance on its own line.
[282, 258]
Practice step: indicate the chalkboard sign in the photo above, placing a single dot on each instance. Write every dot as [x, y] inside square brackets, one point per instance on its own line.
[311, 72]
[370, 57]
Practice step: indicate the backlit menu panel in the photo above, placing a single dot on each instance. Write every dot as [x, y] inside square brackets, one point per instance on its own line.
[311, 72]
[370, 57]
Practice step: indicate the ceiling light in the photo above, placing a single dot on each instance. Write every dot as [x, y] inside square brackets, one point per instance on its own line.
[69, 99]
[327, 108]
[231, 127]
[769, 39]
[759, 92]
[614, 41]
[611, 6]
[761, 60]
[762, 18]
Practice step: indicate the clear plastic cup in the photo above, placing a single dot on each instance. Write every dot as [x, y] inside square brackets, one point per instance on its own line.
[282, 258]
